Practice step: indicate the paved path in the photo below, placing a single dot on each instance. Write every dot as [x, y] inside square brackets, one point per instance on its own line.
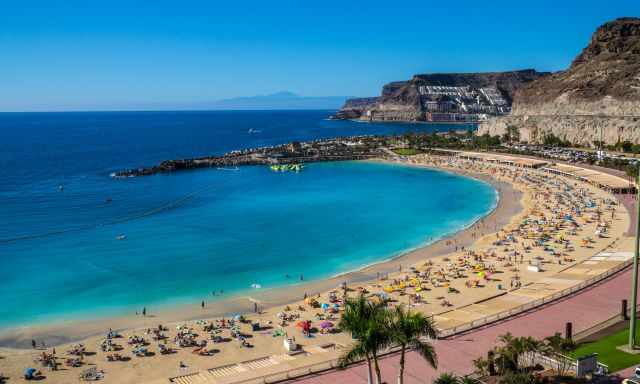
[585, 309]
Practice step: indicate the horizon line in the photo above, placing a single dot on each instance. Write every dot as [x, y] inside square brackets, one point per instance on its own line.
[172, 110]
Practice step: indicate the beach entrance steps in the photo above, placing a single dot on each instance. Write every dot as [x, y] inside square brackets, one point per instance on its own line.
[243, 370]
[218, 374]
[186, 379]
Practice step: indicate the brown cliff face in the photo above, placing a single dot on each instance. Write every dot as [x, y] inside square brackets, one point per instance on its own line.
[402, 100]
[505, 82]
[597, 96]
[608, 67]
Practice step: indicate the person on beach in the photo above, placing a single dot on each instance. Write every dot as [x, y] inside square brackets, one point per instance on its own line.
[33, 343]
[144, 311]
[202, 304]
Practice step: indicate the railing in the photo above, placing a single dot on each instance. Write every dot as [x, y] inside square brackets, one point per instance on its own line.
[533, 304]
[294, 373]
[558, 362]
[327, 365]
[314, 369]
[320, 367]
[613, 320]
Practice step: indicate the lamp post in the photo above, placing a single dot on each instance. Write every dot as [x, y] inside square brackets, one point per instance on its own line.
[634, 280]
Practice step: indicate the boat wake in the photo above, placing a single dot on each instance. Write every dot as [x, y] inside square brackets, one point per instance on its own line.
[163, 208]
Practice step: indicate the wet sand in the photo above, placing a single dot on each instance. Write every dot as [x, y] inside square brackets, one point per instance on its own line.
[508, 206]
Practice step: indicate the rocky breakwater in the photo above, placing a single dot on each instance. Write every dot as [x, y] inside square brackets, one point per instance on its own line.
[441, 97]
[340, 149]
[598, 96]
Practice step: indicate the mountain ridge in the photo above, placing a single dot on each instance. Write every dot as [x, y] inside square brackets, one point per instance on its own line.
[596, 98]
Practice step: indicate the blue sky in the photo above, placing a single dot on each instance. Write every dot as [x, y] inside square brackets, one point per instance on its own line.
[121, 54]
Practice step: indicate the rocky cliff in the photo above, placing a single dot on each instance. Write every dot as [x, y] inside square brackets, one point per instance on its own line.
[446, 94]
[597, 96]
[353, 108]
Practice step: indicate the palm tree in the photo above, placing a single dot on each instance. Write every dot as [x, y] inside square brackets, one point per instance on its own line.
[481, 366]
[530, 347]
[518, 378]
[365, 320]
[406, 329]
[509, 352]
[556, 346]
[447, 378]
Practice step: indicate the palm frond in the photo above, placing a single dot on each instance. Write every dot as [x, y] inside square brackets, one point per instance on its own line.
[356, 353]
[425, 350]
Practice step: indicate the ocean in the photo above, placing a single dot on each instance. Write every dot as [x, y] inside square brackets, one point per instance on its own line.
[75, 242]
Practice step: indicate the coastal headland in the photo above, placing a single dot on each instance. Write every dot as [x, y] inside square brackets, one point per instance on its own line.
[597, 98]
[496, 264]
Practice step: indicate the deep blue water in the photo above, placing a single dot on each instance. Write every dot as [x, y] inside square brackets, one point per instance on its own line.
[189, 233]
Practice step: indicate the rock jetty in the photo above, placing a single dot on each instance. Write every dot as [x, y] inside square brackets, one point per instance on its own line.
[339, 149]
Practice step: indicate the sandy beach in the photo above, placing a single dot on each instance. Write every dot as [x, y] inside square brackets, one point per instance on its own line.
[508, 206]
[431, 279]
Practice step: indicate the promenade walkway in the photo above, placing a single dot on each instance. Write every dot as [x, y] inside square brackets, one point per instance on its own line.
[456, 354]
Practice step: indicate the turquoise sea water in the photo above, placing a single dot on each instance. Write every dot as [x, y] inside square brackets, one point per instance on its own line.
[190, 233]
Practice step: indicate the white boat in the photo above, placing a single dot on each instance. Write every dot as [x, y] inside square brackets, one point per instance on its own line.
[228, 169]
[121, 237]
[251, 131]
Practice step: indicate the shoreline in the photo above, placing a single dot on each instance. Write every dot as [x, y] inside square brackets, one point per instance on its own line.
[408, 121]
[507, 207]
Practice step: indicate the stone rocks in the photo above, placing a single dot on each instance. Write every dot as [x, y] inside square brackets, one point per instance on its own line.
[599, 92]
[402, 100]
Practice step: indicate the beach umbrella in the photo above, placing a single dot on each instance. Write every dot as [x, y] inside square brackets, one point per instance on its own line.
[326, 324]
